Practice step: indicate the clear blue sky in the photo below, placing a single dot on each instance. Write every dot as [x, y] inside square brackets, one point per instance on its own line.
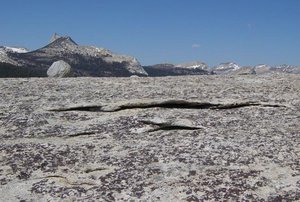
[248, 32]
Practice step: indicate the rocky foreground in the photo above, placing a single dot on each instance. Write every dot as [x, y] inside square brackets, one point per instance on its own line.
[197, 138]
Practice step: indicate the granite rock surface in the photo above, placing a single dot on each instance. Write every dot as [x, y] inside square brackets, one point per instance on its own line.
[189, 138]
[59, 69]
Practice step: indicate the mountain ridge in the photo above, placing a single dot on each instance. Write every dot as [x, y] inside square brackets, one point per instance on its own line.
[101, 62]
[85, 60]
[191, 68]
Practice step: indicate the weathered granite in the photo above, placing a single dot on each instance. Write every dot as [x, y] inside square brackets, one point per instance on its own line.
[59, 69]
[191, 138]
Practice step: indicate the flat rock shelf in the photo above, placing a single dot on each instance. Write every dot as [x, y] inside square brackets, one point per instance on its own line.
[189, 138]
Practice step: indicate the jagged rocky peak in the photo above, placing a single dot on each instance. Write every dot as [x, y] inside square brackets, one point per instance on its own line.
[54, 37]
[65, 42]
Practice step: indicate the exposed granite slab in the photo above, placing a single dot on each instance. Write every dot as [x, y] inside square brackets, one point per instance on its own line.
[196, 138]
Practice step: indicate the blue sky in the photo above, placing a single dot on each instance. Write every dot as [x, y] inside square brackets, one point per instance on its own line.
[248, 32]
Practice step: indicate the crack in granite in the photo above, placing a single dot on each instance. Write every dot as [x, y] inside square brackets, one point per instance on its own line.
[172, 104]
[87, 133]
[248, 151]
[167, 125]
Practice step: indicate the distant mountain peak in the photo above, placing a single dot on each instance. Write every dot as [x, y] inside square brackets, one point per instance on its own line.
[69, 40]
[62, 39]
[85, 60]
[54, 37]
[64, 42]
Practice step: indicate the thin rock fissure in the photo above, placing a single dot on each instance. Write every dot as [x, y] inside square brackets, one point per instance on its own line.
[165, 126]
[94, 170]
[83, 108]
[168, 128]
[82, 134]
[170, 104]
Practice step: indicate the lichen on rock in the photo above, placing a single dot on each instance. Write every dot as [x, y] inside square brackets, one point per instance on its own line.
[191, 138]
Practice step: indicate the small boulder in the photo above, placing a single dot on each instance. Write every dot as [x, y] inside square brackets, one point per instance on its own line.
[59, 69]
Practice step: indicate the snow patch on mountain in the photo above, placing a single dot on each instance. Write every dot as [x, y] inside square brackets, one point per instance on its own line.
[193, 65]
[228, 66]
[16, 49]
[4, 50]
[262, 66]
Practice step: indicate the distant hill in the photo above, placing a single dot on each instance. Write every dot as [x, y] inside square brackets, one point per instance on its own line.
[231, 68]
[193, 68]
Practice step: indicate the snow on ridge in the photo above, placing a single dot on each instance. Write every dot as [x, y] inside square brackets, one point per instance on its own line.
[4, 58]
[261, 66]
[230, 65]
[193, 65]
[15, 49]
